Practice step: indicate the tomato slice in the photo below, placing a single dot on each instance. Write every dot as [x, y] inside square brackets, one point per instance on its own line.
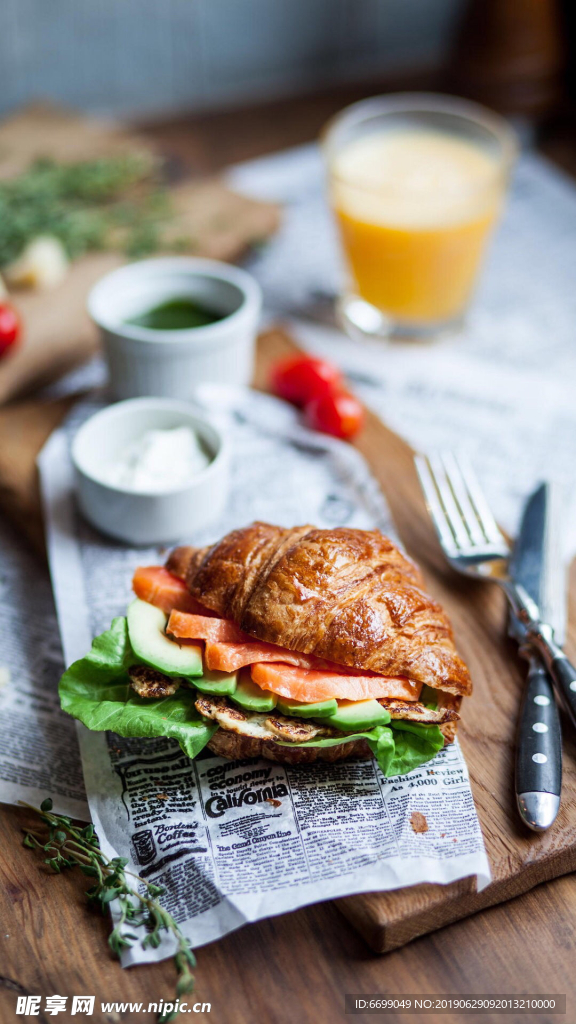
[299, 379]
[338, 413]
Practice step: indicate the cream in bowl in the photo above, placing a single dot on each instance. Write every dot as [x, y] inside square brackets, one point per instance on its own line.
[151, 470]
[169, 324]
[159, 460]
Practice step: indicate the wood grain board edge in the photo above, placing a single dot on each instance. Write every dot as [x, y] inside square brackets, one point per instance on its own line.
[408, 921]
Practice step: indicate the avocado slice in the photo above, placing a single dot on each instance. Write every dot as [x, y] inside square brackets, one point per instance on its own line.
[222, 684]
[251, 697]
[146, 629]
[321, 709]
[352, 715]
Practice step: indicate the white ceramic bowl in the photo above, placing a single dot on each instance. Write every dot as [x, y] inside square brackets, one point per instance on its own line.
[170, 363]
[147, 518]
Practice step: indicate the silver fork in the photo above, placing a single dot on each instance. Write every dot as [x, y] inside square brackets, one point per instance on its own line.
[474, 544]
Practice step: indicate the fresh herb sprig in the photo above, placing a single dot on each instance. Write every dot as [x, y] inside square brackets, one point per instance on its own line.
[69, 846]
[115, 202]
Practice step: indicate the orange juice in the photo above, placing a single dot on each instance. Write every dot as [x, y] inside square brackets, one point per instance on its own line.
[415, 207]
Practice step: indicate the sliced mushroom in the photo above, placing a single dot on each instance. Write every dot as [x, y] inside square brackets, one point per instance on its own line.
[412, 711]
[232, 718]
[291, 730]
[258, 726]
[148, 682]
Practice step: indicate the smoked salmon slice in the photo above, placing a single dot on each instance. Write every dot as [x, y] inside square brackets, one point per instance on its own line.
[229, 657]
[228, 648]
[309, 686]
[291, 674]
[157, 586]
[202, 627]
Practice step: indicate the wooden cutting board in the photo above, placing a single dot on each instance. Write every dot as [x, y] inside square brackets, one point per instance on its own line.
[57, 332]
[519, 859]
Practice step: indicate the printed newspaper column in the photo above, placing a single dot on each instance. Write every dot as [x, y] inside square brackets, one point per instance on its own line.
[251, 824]
[167, 835]
[431, 810]
[343, 819]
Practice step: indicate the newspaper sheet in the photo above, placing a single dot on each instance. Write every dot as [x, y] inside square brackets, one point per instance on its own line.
[504, 387]
[38, 748]
[237, 841]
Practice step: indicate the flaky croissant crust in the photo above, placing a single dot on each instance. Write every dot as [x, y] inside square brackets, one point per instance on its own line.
[349, 596]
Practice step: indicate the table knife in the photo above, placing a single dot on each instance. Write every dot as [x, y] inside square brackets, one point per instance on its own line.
[537, 565]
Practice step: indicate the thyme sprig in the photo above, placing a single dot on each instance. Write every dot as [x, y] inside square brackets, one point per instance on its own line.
[116, 203]
[70, 846]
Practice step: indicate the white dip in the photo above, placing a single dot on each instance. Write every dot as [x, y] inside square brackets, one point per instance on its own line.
[160, 460]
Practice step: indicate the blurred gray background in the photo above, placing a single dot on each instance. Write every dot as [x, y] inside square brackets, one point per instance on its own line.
[148, 57]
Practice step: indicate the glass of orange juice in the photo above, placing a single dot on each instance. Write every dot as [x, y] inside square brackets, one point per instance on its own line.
[416, 182]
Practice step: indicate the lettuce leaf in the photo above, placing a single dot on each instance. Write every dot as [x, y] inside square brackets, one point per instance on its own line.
[96, 690]
[379, 739]
[398, 747]
[414, 745]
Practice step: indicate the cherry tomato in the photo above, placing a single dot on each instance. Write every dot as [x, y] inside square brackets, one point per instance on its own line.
[9, 327]
[299, 379]
[338, 413]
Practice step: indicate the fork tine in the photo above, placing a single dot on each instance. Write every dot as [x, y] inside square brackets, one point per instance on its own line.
[458, 484]
[489, 524]
[434, 504]
[446, 494]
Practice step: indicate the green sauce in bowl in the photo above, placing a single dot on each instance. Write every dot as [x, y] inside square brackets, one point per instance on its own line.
[177, 315]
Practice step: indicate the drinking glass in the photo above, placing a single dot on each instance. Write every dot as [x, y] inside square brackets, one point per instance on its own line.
[416, 182]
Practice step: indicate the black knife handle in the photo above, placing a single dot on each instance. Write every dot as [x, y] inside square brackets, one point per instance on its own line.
[539, 742]
[541, 636]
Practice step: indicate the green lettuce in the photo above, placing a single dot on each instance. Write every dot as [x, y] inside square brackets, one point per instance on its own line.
[398, 747]
[414, 745]
[96, 690]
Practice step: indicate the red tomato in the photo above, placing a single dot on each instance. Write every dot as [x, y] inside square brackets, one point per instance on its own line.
[338, 413]
[9, 327]
[299, 379]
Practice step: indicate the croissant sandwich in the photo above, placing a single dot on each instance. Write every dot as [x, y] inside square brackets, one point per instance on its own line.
[296, 645]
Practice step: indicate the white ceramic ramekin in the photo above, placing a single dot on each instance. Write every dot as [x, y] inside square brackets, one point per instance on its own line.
[171, 363]
[147, 518]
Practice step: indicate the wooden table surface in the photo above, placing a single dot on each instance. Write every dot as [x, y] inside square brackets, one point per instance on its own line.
[299, 966]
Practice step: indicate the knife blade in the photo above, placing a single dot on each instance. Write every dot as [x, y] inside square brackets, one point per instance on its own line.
[537, 565]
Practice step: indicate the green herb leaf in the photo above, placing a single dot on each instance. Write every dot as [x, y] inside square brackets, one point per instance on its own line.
[114, 202]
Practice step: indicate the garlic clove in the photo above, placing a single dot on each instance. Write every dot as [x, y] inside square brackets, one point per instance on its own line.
[42, 264]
